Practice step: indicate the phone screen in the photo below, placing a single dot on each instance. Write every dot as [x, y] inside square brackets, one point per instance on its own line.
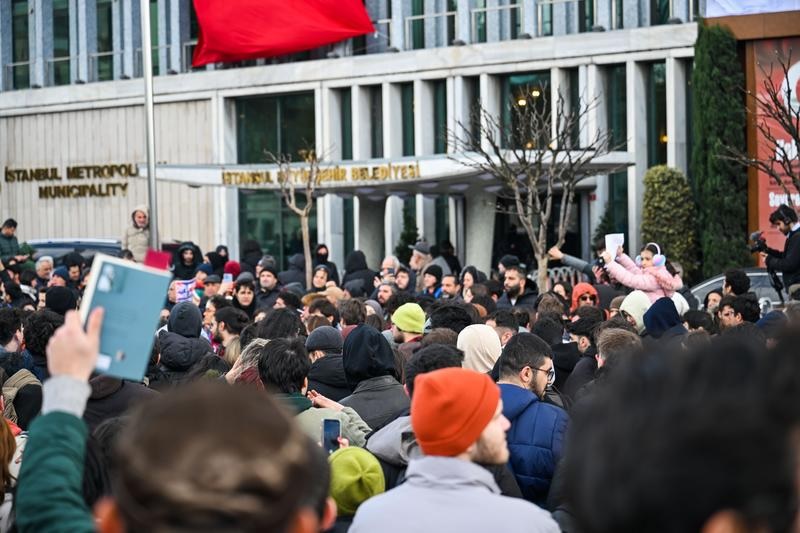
[227, 278]
[331, 431]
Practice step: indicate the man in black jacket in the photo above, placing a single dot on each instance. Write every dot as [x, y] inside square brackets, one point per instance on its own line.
[519, 290]
[788, 261]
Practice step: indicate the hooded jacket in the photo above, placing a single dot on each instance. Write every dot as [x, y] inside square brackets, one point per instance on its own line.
[322, 260]
[296, 272]
[579, 290]
[136, 239]
[370, 370]
[355, 268]
[662, 320]
[535, 440]
[180, 269]
[327, 377]
[449, 494]
[181, 345]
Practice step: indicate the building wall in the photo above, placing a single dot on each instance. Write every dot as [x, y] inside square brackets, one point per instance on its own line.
[112, 135]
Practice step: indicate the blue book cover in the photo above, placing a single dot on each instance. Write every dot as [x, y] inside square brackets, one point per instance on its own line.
[132, 296]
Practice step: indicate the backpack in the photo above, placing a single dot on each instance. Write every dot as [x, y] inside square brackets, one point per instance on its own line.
[11, 387]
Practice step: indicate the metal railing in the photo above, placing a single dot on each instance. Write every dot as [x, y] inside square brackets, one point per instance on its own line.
[101, 65]
[545, 28]
[416, 23]
[10, 82]
[55, 72]
[138, 63]
[187, 53]
[478, 36]
[382, 36]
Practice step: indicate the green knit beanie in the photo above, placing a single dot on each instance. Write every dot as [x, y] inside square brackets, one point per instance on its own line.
[356, 476]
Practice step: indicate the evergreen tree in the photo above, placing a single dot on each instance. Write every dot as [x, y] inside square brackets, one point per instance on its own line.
[668, 215]
[720, 185]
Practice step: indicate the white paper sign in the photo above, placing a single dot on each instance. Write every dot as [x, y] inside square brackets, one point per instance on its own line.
[613, 242]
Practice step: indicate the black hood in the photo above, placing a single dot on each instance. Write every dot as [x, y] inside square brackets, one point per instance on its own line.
[297, 262]
[661, 317]
[186, 320]
[180, 353]
[329, 370]
[356, 260]
[104, 386]
[367, 354]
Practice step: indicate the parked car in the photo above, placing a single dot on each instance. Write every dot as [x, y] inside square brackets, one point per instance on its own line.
[759, 283]
[58, 248]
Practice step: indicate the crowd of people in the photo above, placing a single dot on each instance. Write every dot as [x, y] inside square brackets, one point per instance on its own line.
[465, 401]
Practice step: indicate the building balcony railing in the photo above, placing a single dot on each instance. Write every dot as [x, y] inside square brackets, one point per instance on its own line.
[57, 70]
[102, 65]
[138, 60]
[479, 17]
[432, 30]
[378, 41]
[17, 75]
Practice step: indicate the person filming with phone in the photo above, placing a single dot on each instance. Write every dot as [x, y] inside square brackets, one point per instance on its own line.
[787, 261]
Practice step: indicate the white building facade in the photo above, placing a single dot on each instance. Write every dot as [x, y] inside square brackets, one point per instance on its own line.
[378, 108]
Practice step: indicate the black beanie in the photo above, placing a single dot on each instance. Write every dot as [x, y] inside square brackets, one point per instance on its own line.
[60, 300]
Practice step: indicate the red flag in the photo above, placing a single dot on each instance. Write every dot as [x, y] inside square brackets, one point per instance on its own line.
[234, 30]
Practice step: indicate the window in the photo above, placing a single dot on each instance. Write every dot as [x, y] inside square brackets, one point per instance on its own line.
[154, 35]
[518, 92]
[616, 106]
[442, 218]
[280, 124]
[479, 20]
[20, 55]
[349, 214]
[575, 104]
[656, 114]
[346, 121]
[407, 117]
[59, 64]
[417, 25]
[104, 57]
[618, 201]
[659, 12]
[545, 19]
[264, 218]
[473, 98]
[585, 15]
[439, 117]
[618, 14]
[376, 121]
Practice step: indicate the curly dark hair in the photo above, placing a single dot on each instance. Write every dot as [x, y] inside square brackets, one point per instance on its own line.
[39, 327]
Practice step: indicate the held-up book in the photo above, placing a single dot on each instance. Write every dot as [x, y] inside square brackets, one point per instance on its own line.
[132, 296]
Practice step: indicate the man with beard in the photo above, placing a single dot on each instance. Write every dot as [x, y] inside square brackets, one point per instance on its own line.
[457, 417]
[517, 292]
[270, 288]
[408, 324]
[536, 437]
[225, 329]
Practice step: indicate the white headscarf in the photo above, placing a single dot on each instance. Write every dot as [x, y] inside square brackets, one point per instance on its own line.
[481, 347]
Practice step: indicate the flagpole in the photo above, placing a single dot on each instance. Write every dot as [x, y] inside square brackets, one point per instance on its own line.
[147, 67]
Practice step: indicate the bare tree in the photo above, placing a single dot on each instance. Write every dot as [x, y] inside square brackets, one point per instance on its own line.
[303, 179]
[535, 160]
[777, 116]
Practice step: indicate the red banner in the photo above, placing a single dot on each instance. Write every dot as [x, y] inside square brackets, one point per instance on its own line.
[235, 30]
[770, 193]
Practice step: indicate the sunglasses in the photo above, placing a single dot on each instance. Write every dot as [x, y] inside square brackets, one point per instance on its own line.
[588, 298]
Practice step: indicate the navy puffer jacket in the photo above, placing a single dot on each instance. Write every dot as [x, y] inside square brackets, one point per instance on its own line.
[535, 440]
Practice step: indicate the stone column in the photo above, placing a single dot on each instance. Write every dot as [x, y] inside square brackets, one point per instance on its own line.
[131, 37]
[400, 10]
[636, 80]
[464, 21]
[630, 13]
[392, 121]
[87, 40]
[361, 123]
[423, 115]
[330, 226]
[393, 224]
[426, 217]
[40, 39]
[480, 216]
[676, 114]
[490, 102]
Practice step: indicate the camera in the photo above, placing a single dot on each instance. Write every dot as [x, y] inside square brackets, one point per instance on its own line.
[759, 242]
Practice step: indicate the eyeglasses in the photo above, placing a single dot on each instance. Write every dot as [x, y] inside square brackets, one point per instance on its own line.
[588, 298]
[551, 373]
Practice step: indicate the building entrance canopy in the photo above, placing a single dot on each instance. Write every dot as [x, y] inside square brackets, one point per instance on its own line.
[377, 177]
